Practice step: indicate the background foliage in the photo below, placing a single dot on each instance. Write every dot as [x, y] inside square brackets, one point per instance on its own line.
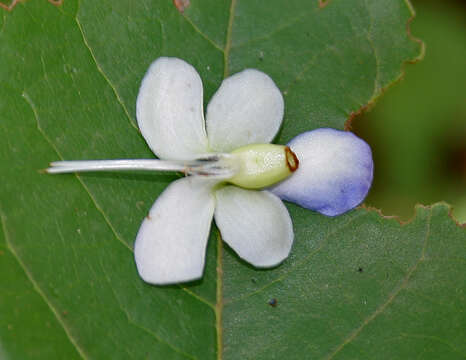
[418, 129]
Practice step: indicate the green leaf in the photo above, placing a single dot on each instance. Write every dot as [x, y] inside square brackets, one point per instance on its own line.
[355, 286]
[364, 287]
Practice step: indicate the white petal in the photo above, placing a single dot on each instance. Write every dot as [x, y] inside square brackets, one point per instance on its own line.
[170, 245]
[170, 111]
[255, 224]
[246, 109]
[334, 174]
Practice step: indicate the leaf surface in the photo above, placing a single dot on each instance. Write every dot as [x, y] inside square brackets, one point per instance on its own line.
[69, 78]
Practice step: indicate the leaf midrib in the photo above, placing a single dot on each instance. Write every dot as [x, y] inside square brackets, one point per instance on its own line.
[218, 308]
[219, 304]
[219, 294]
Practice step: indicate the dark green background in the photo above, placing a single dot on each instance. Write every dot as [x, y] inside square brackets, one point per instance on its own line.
[418, 128]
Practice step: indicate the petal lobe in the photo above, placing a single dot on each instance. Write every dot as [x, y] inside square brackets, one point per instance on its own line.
[246, 109]
[334, 175]
[255, 224]
[169, 110]
[171, 242]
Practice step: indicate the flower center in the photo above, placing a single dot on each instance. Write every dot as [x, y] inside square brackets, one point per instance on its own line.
[262, 165]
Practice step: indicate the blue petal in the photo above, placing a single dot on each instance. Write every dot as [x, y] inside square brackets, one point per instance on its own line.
[334, 175]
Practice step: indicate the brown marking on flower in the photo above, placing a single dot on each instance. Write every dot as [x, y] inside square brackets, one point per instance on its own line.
[291, 159]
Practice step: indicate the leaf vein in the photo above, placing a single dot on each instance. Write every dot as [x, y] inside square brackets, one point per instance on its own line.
[226, 52]
[198, 297]
[277, 30]
[2, 29]
[377, 87]
[101, 71]
[199, 31]
[435, 338]
[307, 66]
[220, 302]
[37, 288]
[139, 326]
[392, 296]
[94, 201]
[297, 265]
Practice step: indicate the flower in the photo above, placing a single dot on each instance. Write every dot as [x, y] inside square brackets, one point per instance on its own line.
[247, 109]
[235, 175]
[334, 176]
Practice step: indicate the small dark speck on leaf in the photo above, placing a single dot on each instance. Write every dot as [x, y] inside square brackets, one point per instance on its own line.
[65, 313]
[254, 281]
[1, 252]
[360, 269]
[181, 5]
[273, 302]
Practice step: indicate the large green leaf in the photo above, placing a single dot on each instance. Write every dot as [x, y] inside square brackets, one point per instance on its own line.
[355, 286]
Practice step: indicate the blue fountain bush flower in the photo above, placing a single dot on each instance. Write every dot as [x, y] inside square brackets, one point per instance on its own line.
[235, 175]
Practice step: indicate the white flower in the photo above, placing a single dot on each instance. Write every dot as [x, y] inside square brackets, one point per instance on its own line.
[334, 174]
[247, 109]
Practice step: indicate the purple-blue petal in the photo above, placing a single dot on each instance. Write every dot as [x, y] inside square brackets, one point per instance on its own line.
[334, 175]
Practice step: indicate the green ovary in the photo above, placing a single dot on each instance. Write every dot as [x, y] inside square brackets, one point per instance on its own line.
[262, 165]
